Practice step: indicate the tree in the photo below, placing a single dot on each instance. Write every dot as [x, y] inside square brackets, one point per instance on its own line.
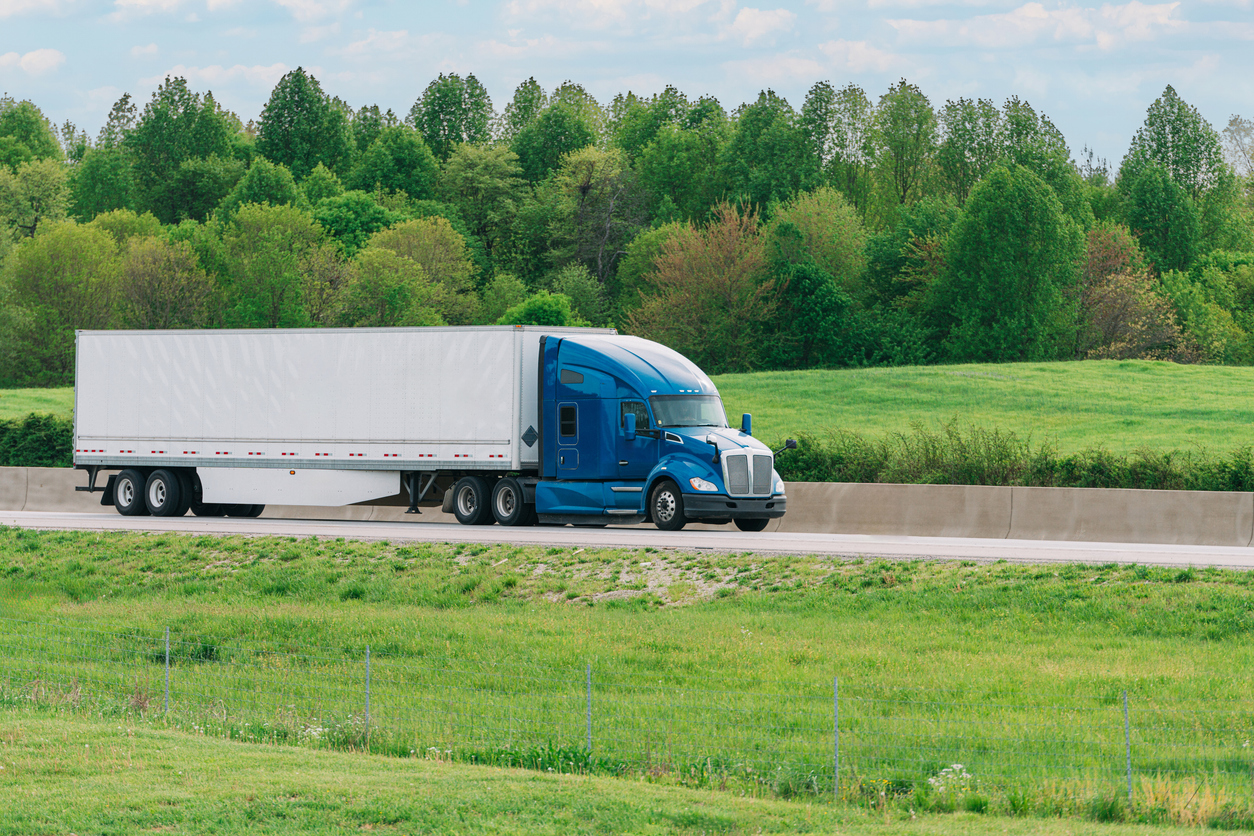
[324, 272]
[102, 182]
[398, 161]
[321, 183]
[485, 183]
[122, 118]
[264, 250]
[827, 231]
[1175, 138]
[1239, 145]
[301, 126]
[542, 143]
[502, 292]
[631, 283]
[528, 102]
[586, 294]
[1124, 317]
[123, 225]
[163, 286]
[441, 253]
[1012, 266]
[714, 294]
[28, 127]
[583, 105]
[177, 125]
[840, 127]
[1164, 220]
[1032, 141]
[604, 207]
[386, 290]
[351, 218]
[905, 140]
[197, 188]
[452, 111]
[680, 169]
[811, 312]
[638, 121]
[542, 308]
[368, 123]
[1111, 249]
[264, 182]
[65, 278]
[768, 158]
[971, 144]
[33, 198]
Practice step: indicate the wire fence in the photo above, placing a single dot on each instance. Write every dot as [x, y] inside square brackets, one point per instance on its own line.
[831, 738]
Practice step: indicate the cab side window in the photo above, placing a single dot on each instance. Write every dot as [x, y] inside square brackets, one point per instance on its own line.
[641, 413]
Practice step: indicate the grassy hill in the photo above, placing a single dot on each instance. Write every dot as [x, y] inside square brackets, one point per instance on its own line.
[1120, 405]
[18, 403]
[709, 670]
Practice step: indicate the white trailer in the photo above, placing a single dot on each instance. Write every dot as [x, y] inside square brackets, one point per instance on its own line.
[236, 419]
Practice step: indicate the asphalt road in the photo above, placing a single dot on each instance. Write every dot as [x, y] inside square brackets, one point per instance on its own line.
[731, 540]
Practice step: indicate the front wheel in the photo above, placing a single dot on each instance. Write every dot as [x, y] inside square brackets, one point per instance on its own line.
[472, 501]
[666, 505]
[751, 525]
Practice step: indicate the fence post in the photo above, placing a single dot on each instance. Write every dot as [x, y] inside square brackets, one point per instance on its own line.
[367, 696]
[588, 719]
[836, 738]
[167, 671]
[1127, 744]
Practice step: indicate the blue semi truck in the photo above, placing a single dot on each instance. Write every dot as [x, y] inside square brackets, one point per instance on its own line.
[515, 425]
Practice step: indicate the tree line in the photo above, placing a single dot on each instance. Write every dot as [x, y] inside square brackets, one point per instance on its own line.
[852, 231]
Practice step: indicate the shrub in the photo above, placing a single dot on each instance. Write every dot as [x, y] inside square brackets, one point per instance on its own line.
[37, 441]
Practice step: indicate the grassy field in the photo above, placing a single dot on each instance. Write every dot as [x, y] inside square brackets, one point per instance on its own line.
[1120, 405]
[1015, 671]
[66, 773]
[18, 403]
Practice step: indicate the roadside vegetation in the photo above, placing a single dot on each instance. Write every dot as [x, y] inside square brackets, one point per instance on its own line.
[986, 640]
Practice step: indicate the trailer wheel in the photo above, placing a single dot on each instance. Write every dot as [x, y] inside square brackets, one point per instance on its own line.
[187, 492]
[472, 501]
[666, 505]
[242, 510]
[128, 493]
[212, 509]
[750, 525]
[509, 506]
[163, 493]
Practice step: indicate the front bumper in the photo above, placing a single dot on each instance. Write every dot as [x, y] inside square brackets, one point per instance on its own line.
[705, 506]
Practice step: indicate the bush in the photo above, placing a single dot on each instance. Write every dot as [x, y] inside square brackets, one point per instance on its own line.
[979, 456]
[37, 441]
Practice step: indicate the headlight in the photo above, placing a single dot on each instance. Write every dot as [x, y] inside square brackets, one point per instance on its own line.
[699, 484]
[779, 483]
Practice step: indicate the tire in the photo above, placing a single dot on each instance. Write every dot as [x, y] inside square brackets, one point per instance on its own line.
[242, 510]
[666, 507]
[163, 493]
[509, 506]
[751, 525]
[128, 493]
[213, 509]
[187, 486]
[472, 501]
[255, 510]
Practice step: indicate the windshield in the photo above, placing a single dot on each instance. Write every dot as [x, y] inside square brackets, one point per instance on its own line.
[688, 411]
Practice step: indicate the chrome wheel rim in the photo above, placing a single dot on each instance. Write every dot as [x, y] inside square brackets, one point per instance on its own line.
[506, 502]
[466, 501]
[156, 493]
[664, 508]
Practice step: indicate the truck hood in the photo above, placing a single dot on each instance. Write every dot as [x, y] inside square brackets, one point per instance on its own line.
[728, 438]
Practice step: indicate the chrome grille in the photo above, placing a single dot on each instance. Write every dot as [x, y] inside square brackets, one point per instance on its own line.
[737, 474]
[762, 467]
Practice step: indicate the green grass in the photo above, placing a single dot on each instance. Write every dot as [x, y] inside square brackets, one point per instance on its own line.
[65, 773]
[710, 670]
[1121, 405]
[18, 403]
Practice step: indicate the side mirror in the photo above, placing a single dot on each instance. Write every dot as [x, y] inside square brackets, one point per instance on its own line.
[629, 425]
[746, 424]
[790, 444]
[709, 439]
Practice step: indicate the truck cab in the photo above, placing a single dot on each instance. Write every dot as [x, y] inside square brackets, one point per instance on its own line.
[631, 430]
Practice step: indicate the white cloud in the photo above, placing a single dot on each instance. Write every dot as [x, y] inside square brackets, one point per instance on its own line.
[309, 10]
[775, 70]
[16, 7]
[860, 56]
[310, 34]
[218, 74]
[139, 51]
[146, 6]
[1106, 27]
[375, 43]
[35, 62]
[601, 13]
[528, 47]
[752, 25]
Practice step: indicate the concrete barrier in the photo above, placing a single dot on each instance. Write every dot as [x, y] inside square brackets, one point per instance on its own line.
[1203, 518]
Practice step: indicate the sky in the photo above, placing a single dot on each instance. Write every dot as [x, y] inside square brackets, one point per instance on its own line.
[1093, 69]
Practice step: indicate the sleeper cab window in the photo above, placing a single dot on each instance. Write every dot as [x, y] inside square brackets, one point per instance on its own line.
[566, 420]
[571, 377]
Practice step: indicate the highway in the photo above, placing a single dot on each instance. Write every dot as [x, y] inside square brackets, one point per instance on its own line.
[729, 540]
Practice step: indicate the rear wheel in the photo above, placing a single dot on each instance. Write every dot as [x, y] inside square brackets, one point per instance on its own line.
[164, 494]
[472, 501]
[666, 506]
[751, 525]
[128, 493]
[212, 509]
[242, 510]
[509, 505]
